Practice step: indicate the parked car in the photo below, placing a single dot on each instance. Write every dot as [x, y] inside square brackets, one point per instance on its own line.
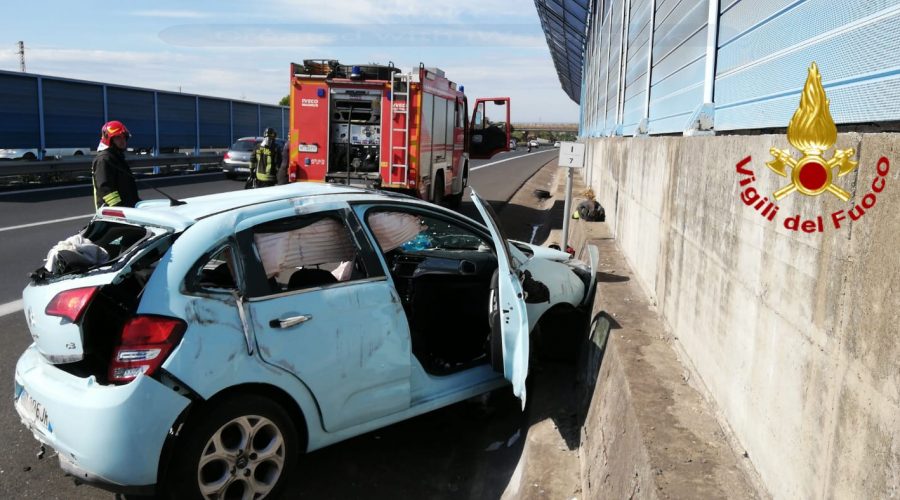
[236, 161]
[49, 153]
[556, 144]
[215, 340]
[533, 143]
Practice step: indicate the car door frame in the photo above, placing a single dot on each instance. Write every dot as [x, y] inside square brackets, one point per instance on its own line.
[257, 290]
[514, 322]
[511, 300]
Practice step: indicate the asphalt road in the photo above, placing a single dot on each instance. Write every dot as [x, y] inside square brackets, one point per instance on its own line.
[464, 451]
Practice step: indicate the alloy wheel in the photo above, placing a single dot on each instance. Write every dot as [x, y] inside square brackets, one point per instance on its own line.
[243, 459]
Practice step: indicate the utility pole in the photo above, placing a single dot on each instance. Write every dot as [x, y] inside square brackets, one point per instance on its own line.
[21, 56]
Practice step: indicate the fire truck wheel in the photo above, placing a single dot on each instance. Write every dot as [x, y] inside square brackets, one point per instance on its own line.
[437, 196]
[454, 201]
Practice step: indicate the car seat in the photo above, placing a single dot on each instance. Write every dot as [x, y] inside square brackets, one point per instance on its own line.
[310, 277]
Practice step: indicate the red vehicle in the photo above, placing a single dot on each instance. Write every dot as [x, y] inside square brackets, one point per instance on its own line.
[378, 127]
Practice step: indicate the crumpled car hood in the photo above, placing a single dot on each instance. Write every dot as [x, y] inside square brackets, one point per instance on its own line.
[547, 253]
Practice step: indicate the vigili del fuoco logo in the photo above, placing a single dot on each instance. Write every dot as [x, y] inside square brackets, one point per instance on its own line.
[812, 133]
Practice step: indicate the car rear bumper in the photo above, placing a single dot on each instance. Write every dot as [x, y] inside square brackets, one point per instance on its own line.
[239, 167]
[111, 436]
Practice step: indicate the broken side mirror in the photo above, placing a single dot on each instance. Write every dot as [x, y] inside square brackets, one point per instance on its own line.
[490, 129]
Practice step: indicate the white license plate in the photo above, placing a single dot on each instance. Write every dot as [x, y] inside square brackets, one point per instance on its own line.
[242, 169]
[33, 412]
[308, 148]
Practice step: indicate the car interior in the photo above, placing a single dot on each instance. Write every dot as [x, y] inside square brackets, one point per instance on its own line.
[313, 252]
[443, 274]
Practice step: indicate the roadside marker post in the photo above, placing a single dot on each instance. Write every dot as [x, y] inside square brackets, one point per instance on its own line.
[571, 156]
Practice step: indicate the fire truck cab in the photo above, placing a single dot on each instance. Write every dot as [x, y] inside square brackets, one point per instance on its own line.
[377, 127]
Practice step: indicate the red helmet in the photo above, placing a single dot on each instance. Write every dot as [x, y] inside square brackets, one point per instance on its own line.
[112, 129]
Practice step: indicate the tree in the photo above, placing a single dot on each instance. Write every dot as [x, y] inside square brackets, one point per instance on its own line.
[285, 101]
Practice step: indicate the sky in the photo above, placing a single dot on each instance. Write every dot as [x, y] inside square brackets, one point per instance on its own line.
[244, 50]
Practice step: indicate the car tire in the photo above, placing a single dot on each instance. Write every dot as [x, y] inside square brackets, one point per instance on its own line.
[29, 157]
[241, 443]
[78, 153]
[437, 195]
[455, 201]
[559, 335]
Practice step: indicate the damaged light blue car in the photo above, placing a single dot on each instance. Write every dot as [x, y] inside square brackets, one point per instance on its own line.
[216, 340]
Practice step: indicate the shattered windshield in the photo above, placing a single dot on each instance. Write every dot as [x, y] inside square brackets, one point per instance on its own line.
[413, 232]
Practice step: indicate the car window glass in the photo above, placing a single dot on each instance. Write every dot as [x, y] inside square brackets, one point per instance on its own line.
[307, 253]
[411, 232]
[243, 145]
[218, 272]
[114, 237]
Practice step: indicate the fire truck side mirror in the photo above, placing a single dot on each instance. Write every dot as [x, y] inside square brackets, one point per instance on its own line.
[489, 130]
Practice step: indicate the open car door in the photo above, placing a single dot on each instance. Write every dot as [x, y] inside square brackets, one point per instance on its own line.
[489, 130]
[514, 316]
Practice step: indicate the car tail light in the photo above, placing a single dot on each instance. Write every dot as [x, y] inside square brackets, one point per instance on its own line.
[227, 156]
[70, 304]
[146, 342]
[112, 213]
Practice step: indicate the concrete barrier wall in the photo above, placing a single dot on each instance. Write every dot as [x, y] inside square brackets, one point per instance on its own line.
[793, 335]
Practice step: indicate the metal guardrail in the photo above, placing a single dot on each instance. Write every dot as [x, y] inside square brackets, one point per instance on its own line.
[83, 164]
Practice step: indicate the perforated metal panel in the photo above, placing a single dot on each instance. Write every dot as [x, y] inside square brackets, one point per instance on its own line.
[215, 123]
[19, 122]
[271, 117]
[762, 69]
[639, 30]
[134, 108]
[762, 51]
[565, 25]
[245, 118]
[614, 65]
[679, 57]
[74, 112]
[617, 98]
[177, 121]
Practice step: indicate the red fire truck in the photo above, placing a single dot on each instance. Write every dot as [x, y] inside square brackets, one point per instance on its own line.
[375, 126]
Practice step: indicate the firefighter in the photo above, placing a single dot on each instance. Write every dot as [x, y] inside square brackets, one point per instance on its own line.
[266, 160]
[114, 184]
[284, 168]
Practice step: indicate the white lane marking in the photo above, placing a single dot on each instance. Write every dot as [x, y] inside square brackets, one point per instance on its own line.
[10, 307]
[41, 223]
[507, 159]
[77, 186]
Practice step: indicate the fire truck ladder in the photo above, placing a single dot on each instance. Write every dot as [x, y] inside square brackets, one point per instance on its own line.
[400, 82]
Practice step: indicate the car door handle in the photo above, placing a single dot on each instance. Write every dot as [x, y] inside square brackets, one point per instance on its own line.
[289, 322]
